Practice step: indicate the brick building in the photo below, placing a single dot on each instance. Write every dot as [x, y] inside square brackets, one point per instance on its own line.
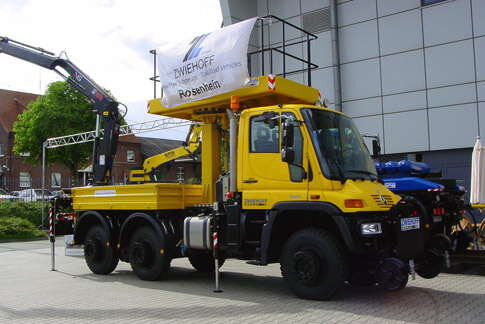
[127, 157]
[15, 174]
[133, 150]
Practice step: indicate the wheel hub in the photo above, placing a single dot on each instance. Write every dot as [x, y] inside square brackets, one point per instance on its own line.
[142, 253]
[307, 267]
[93, 249]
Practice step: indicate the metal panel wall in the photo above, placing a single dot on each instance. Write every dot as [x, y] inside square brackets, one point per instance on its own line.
[412, 72]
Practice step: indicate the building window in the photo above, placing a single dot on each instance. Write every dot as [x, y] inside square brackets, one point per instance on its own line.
[2, 149]
[55, 180]
[130, 156]
[430, 2]
[180, 174]
[25, 180]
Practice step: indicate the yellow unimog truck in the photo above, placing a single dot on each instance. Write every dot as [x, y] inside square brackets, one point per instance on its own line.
[299, 188]
[283, 180]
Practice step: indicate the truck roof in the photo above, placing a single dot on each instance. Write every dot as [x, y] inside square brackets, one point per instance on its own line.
[261, 91]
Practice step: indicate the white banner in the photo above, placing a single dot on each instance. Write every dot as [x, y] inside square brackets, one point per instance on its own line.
[205, 66]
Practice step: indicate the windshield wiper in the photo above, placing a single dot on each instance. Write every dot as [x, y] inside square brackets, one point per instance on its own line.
[363, 172]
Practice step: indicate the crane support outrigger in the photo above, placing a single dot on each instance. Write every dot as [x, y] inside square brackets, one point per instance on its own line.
[104, 105]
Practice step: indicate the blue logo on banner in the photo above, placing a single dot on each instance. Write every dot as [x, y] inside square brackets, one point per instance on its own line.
[195, 47]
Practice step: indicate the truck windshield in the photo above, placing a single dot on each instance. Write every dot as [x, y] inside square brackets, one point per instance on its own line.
[341, 151]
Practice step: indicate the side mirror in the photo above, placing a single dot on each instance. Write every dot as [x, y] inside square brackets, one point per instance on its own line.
[376, 149]
[288, 134]
[269, 118]
[287, 155]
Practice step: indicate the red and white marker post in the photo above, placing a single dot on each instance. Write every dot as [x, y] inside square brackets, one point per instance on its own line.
[215, 250]
[52, 237]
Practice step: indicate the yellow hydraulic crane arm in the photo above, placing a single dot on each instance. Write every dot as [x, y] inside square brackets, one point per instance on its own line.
[151, 163]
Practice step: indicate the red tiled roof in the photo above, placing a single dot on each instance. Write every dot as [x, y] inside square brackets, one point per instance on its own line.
[12, 103]
[129, 139]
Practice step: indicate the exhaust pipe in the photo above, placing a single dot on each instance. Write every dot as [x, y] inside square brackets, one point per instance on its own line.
[232, 150]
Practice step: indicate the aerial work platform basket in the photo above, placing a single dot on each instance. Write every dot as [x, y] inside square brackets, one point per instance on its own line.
[268, 84]
[261, 91]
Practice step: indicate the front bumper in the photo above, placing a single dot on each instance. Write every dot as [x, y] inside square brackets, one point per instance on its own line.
[388, 234]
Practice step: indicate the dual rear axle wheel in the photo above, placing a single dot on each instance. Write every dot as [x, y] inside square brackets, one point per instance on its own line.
[148, 254]
[99, 254]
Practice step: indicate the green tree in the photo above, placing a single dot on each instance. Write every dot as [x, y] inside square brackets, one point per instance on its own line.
[61, 111]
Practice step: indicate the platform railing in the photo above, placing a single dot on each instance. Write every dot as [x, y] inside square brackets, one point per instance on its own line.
[306, 38]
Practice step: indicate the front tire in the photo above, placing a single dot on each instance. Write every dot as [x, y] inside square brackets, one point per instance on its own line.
[148, 255]
[99, 254]
[313, 264]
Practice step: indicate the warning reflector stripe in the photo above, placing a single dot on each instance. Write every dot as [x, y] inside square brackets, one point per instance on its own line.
[52, 237]
[50, 222]
[215, 239]
[271, 82]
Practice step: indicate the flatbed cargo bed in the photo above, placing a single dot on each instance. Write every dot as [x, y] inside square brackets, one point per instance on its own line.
[147, 196]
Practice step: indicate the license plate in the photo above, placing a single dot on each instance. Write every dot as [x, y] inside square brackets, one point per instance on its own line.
[410, 223]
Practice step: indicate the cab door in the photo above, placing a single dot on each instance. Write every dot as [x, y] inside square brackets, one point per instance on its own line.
[264, 179]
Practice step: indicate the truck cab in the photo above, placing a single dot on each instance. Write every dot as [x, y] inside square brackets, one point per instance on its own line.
[329, 161]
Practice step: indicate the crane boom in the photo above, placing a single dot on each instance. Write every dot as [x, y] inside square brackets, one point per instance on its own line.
[103, 103]
[190, 146]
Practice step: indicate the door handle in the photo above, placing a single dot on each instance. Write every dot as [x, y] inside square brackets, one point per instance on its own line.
[250, 181]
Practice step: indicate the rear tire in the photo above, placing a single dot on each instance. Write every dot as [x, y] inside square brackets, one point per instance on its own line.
[392, 274]
[148, 255]
[99, 254]
[313, 264]
[204, 262]
[430, 267]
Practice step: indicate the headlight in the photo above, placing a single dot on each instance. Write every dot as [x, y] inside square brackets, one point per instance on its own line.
[371, 228]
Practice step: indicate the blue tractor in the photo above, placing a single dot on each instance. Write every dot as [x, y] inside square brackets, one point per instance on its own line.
[439, 200]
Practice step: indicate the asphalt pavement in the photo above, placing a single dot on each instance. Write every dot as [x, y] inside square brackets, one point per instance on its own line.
[31, 293]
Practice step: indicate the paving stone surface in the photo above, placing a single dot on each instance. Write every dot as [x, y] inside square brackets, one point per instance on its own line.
[31, 293]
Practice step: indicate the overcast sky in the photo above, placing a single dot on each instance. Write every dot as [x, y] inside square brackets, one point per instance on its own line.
[108, 39]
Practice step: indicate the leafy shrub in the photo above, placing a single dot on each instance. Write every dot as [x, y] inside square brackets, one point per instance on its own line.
[29, 211]
[14, 227]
